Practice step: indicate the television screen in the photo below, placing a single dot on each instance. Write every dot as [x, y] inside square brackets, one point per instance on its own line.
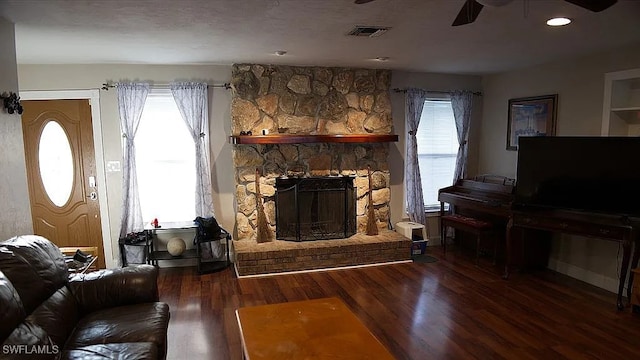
[595, 174]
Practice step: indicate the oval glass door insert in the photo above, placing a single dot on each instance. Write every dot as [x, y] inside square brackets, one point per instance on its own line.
[56, 163]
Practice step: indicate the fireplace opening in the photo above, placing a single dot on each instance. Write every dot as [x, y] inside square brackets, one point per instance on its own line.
[315, 208]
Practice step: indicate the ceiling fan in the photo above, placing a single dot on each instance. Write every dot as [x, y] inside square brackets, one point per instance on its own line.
[471, 8]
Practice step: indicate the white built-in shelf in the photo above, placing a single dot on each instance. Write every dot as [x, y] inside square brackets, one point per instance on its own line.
[631, 115]
[621, 105]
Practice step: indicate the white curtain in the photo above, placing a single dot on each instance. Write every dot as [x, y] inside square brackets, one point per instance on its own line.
[461, 102]
[414, 102]
[131, 99]
[192, 101]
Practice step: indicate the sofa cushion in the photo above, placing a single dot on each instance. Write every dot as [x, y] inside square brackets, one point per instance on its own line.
[115, 287]
[57, 315]
[29, 339]
[35, 267]
[120, 351]
[146, 322]
[12, 312]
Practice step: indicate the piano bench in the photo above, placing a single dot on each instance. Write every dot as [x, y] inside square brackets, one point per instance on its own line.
[481, 229]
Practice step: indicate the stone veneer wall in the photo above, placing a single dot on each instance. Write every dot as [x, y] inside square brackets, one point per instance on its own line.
[290, 100]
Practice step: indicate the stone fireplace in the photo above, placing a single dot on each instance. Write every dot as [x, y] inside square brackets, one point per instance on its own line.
[302, 101]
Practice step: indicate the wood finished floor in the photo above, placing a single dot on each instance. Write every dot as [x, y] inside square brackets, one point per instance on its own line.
[450, 309]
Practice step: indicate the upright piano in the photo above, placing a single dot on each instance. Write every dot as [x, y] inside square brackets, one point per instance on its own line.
[486, 197]
[485, 194]
[492, 199]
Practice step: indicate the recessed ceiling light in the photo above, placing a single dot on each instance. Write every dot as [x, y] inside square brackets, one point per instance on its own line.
[280, 52]
[559, 21]
[382, 58]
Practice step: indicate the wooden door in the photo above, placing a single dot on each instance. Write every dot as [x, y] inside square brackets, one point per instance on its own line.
[58, 141]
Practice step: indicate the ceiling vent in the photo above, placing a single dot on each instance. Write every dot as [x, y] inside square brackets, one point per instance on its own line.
[370, 31]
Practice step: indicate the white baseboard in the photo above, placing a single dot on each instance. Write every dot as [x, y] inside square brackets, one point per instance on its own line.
[434, 241]
[585, 275]
[235, 266]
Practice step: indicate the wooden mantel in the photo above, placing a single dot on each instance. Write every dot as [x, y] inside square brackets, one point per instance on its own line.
[305, 139]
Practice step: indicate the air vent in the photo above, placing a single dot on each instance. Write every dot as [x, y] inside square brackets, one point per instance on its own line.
[370, 31]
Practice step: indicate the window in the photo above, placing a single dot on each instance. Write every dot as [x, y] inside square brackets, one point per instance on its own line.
[437, 149]
[165, 160]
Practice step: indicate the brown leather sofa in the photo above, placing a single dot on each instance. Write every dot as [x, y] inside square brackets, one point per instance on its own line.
[107, 314]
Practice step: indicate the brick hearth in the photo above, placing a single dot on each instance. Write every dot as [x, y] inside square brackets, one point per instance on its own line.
[252, 258]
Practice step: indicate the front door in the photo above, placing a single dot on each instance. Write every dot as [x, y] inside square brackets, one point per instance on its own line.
[58, 141]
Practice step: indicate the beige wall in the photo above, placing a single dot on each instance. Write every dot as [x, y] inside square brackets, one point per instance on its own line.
[63, 77]
[67, 77]
[15, 212]
[428, 81]
[579, 84]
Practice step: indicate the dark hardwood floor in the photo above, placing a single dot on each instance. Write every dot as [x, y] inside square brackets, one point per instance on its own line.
[450, 309]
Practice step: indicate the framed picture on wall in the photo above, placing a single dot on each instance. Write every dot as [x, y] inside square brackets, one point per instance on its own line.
[531, 116]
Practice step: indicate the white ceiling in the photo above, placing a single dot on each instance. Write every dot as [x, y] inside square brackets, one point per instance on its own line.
[313, 33]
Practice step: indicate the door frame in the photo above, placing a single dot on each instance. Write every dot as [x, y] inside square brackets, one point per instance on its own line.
[93, 95]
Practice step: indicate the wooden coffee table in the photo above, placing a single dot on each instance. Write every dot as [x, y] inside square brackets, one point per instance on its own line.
[311, 329]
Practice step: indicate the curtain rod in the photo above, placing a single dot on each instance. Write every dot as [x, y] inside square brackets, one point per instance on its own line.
[108, 85]
[436, 91]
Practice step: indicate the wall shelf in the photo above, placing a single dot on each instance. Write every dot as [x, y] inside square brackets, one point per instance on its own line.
[306, 139]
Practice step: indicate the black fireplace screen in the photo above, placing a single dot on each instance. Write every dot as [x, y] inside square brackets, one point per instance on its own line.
[315, 208]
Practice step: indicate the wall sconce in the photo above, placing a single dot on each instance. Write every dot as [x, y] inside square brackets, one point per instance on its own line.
[11, 102]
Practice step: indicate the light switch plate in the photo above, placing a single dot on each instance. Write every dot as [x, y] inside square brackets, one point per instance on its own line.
[113, 166]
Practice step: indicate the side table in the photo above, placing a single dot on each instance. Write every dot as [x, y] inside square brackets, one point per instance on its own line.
[203, 266]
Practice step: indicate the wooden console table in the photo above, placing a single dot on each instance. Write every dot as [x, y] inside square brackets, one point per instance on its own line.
[607, 227]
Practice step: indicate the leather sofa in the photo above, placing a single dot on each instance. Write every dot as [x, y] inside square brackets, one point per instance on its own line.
[107, 314]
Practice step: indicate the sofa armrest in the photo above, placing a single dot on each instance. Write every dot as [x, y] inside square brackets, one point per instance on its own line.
[115, 287]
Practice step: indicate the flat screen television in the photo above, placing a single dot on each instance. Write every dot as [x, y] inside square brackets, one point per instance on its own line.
[593, 174]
